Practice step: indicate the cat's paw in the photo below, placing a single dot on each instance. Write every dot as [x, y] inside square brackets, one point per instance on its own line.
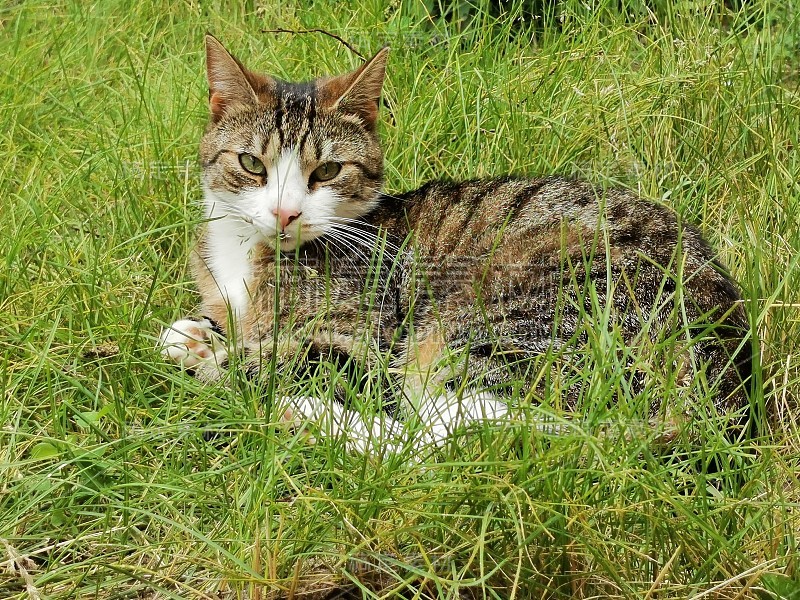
[329, 419]
[190, 342]
[299, 411]
[440, 416]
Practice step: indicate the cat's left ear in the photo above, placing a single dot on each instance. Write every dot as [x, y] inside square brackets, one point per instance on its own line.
[358, 92]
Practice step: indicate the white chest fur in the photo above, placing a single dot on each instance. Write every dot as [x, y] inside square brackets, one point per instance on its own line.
[230, 245]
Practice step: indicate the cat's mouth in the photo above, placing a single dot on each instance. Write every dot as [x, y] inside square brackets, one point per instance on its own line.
[287, 241]
[295, 237]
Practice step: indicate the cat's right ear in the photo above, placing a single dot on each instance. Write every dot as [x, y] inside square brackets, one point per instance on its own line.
[228, 81]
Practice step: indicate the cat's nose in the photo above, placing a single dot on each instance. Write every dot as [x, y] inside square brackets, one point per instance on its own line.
[286, 216]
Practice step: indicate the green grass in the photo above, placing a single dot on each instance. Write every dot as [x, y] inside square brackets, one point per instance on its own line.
[111, 487]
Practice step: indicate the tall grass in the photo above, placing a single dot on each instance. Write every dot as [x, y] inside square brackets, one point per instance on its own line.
[121, 477]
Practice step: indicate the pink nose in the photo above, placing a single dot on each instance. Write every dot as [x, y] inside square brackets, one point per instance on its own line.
[286, 216]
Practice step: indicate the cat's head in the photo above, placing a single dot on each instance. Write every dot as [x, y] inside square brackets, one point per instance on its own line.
[290, 162]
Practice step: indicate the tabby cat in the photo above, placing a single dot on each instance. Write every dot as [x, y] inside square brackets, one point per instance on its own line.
[460, 294]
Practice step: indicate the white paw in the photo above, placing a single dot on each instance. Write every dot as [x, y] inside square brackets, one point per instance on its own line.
[299, 411]
[330, 419]
[189, 343]
[440, 416]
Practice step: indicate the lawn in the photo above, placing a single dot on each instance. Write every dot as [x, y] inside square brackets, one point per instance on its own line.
[122, 477]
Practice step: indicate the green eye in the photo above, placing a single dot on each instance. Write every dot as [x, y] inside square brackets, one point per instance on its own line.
[326, 171]
[251, 164]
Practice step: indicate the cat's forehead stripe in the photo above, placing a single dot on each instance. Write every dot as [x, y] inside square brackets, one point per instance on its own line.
[295, 113]
[311, 113]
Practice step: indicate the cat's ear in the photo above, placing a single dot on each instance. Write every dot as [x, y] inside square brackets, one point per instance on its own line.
[358, 92]
[229, 83]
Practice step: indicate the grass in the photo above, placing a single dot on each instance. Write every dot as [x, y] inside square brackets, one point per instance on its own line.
[121, 477]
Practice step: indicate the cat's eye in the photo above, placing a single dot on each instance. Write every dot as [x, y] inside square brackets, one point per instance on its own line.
[326, 171]
[251, 164]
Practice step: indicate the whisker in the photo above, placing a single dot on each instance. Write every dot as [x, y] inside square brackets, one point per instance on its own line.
[238, 213]
[361, 222]
[371, 239]
[349, 220]
[353, 243]
[380, 231]
[356, 237]
[346, 251]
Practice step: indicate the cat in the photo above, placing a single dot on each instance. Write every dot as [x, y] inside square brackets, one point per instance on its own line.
[461, 294]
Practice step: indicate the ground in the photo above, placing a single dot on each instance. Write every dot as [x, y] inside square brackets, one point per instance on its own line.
[122, 477]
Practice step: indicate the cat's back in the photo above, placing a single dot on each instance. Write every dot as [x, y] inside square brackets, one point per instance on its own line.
[529, 235]
[538, 216]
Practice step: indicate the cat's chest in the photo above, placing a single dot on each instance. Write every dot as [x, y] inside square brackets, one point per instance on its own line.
[324, 290]
[231, 250]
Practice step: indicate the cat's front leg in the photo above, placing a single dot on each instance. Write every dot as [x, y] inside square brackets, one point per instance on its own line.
[193, 342]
